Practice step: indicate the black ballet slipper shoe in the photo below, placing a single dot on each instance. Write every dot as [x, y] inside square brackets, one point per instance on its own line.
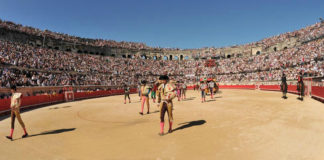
[8, 137]
[25, 135]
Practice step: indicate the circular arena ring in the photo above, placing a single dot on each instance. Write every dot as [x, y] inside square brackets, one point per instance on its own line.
[236, 124]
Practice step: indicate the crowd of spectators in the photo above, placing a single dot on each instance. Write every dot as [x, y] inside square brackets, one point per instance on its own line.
[305, 34]
[26, 65]
[65, 37]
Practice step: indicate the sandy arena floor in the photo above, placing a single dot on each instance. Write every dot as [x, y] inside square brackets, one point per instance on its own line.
[237, 125]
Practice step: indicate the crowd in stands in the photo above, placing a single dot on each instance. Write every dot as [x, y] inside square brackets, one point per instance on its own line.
[26, 65]
[307, 57]
[65, 37]
[305, 34]
[29, 66]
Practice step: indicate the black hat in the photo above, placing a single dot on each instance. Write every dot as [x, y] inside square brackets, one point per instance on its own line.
[13, 87]
[164, 77]
[144, 82]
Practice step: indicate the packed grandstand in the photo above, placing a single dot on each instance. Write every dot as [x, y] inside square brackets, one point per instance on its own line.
[28, 65]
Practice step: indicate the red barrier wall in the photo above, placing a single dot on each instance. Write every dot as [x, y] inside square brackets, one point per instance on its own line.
[81, 95]
[291, 88]
[270, 87]
[32, 100]
[237, 87]
[4, 104]
[48, 99]
[318, 92]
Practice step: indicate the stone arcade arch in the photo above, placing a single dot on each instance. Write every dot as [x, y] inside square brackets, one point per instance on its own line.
[165, 57]
[181, 57]
[144, 57]
[170, 57]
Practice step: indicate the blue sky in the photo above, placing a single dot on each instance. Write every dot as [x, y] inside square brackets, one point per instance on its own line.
[167, 23]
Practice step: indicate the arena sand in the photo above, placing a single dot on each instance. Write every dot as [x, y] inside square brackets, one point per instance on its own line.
[237, 125]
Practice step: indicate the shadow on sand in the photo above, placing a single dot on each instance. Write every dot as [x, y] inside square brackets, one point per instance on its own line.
[156, 111]
[189, 99]
[58, 131]
[60, 107]
[136, 102]
[189, 124]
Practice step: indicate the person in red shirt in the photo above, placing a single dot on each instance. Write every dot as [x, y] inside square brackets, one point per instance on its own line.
[153, 93]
